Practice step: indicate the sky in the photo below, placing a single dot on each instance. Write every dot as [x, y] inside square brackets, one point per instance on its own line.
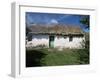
[53, 18]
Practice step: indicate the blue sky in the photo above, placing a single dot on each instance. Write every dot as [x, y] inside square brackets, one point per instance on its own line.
[53, 18]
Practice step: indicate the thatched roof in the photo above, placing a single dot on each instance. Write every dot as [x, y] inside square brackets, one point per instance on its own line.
[56, 29]
[67, 29]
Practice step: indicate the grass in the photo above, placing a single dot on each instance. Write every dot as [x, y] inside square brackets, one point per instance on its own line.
[54, 57]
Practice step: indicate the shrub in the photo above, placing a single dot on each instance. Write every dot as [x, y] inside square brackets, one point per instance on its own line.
[83, 56]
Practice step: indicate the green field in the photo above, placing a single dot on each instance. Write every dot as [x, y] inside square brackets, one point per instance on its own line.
[54, 57]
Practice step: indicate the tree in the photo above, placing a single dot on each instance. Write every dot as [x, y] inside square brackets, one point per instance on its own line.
[84, 55]
[28, 35]
[27, 29]
[85, 21]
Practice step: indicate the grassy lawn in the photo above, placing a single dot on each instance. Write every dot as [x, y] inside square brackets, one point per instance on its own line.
[54, 57]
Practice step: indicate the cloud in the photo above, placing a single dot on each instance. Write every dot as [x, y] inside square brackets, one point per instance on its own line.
[53, 21]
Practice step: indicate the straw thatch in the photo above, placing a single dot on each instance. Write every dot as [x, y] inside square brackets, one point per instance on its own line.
[56, 29]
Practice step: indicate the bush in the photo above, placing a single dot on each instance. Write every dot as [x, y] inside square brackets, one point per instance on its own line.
[84, 53]
[84, 56]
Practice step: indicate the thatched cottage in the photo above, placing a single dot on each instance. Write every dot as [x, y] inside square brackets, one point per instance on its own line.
[55, 36]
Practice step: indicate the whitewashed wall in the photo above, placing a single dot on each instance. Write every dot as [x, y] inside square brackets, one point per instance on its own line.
[40, 40]
[65, 43]
[60, 42]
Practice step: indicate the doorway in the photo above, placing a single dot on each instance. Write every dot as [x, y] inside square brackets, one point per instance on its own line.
[51, 41]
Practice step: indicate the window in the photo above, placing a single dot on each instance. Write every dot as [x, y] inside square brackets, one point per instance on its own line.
[70, 38]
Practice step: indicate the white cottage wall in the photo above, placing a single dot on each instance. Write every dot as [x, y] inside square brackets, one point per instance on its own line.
[40, 40]
[62, 42]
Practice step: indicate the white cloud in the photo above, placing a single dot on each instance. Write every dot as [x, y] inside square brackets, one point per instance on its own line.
[53, 21]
